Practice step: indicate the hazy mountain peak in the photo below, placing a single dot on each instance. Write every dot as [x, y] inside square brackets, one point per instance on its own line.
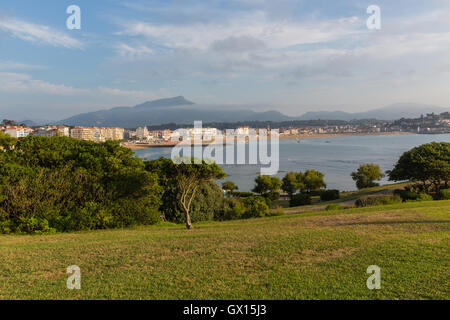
[167, 102]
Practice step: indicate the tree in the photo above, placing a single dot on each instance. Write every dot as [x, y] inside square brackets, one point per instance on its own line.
[313, 180]
[292, 182]
[65, 184]
[366, 175]
[6, 142]
[207, 203]
[183, 180]
[189, 177]
[428, 163]
[229, 187]
[255, 207]
[268, 187]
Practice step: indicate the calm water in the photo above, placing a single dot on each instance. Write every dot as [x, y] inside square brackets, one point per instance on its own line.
[335, 157]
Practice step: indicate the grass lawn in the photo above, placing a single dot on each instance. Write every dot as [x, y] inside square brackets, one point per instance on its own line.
[317, 255]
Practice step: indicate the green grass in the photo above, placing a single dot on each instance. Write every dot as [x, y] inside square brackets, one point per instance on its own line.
[316, 255]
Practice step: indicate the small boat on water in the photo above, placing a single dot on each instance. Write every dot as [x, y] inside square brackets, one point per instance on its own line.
[298, 140]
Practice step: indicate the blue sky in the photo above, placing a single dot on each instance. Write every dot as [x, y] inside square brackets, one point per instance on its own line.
[287, 55]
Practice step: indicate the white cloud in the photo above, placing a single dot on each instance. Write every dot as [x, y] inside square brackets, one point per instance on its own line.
[24, 83]
[38, 33]
[12, 65]
[256, 26]
[133, 52]
[135, 94]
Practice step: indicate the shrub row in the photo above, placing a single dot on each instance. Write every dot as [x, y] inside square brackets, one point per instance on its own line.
[248, 207]
[444, 194]
[63, 184]
[328, 195]
[377, 200]
[301, 199]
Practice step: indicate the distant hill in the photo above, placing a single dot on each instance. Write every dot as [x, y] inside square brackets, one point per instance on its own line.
[327, 115]
[392, 112]
[182, 111]
[175, 110]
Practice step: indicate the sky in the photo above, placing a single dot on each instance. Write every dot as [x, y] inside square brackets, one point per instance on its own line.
[292, 56]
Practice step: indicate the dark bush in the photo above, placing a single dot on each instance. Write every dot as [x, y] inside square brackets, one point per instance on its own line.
[406, 195]
[315, 193]
[328, 195]
[255, 207]
[377, 200]
[242, 194]
[63, 184]
[300, 199]
[232, 209]
[444, 194]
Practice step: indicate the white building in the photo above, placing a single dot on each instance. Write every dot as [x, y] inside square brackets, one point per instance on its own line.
[18, 132]
[63, 131]
[52, 131]
[142, 133]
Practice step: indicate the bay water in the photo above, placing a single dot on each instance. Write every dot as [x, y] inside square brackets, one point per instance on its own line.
[335, 157]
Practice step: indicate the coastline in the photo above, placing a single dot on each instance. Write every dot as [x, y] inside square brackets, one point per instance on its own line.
[281, 136]
[334, 135]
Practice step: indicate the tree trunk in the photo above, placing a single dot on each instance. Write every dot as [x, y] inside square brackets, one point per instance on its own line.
[188, 221]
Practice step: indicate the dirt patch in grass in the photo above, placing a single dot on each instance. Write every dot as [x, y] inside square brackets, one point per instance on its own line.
[312, 256]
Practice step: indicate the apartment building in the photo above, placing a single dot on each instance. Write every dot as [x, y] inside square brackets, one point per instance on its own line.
[97, 134]
[82, 133]
[63, 131]
[52, 131]
[116, 134]
[18, 132]
[45, 132]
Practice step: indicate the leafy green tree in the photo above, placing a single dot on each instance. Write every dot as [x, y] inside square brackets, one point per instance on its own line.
[292, 182]
[229, 187]
[233, 208]
[66, 184]
[208, 201]
[255, 207]
[182, 180]
[6, 141]
[268, 187]
[428, 163]
[313, 180]
[366, 175]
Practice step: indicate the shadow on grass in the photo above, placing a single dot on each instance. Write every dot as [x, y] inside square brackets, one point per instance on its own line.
[392, 222]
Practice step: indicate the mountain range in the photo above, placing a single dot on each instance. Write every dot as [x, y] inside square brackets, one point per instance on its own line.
[180, 110]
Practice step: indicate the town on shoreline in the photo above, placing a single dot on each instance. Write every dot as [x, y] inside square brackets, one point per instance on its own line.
[169, 136]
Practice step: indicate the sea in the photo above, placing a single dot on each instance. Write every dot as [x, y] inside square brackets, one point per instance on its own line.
[335, 157]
